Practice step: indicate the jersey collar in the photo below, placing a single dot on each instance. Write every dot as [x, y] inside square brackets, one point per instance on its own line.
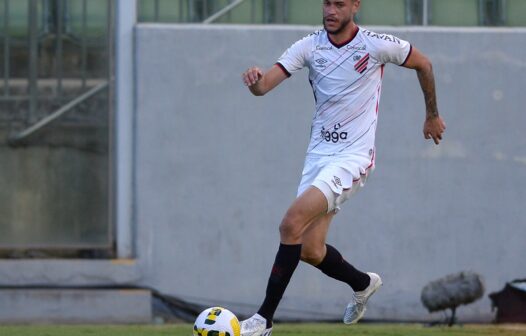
[339, 45]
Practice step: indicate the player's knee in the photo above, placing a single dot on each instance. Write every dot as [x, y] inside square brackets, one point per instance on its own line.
[311, 254]
[290, 229]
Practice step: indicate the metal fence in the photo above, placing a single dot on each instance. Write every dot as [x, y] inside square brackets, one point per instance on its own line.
[56, 66]
[415, 12]
[53, 53]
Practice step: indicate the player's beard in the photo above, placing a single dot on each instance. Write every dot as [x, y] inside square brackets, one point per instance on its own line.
[338, 30]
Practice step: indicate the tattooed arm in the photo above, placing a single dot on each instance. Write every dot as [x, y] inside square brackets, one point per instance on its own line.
[434, 125]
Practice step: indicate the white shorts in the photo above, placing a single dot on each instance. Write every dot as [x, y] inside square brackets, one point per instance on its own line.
[337, 177]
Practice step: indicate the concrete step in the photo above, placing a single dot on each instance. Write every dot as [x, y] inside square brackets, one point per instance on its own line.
[75, 306]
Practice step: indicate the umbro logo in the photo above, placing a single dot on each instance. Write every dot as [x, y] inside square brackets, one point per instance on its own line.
[321, 61]
[336, 181]
[361, 65]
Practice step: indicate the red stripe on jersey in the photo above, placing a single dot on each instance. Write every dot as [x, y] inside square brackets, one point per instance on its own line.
[379, 88]
[362, 68]
[362, 61]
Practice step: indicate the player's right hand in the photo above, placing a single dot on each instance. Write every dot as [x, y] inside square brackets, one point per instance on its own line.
[252, 76]
[434, 127]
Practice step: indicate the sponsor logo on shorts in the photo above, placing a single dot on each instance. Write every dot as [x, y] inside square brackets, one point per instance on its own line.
[333, 136]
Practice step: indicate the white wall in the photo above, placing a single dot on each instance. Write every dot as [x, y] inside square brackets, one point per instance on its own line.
[217, 168]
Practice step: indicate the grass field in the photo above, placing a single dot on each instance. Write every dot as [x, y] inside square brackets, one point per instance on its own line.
[318, 329]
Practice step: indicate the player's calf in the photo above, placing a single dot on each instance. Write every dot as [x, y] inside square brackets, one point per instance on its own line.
[312, 255]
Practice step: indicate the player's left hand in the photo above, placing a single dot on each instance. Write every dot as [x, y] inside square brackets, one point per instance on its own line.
[434, 127]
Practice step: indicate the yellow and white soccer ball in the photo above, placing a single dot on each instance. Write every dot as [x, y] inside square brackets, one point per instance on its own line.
[216, 321]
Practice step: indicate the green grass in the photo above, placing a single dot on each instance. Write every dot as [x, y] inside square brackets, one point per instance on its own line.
[318, 329]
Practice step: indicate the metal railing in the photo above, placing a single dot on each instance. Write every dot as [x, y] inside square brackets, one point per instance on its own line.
[209, 11]
[417, 12]
[56, 69]
[223, 11]
[49, 59]
[24, 134]
[6, 45]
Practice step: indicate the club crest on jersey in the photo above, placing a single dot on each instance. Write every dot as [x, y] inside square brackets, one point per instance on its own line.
[361, 65]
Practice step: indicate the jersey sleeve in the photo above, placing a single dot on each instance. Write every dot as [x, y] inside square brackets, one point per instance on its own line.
[391, 49]
[295, 57]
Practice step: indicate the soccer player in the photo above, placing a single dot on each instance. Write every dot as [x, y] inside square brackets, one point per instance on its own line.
[346, 65]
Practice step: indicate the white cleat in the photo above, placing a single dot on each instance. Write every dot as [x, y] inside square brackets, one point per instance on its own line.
[356, 308]
[255, 326]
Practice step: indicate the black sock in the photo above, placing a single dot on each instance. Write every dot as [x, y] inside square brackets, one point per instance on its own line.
[287, 260]
[336, 267]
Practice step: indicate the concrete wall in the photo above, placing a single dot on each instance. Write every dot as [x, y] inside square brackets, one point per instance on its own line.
[216, 168]
[66, 306]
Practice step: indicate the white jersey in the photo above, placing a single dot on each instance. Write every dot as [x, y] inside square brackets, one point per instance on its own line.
[346, 80]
